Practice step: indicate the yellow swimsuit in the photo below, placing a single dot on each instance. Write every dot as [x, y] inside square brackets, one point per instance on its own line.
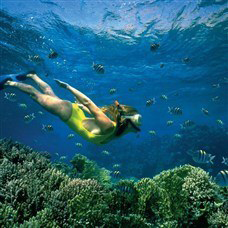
[75, 123]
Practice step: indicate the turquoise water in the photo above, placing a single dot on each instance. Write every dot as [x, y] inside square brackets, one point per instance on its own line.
[118, 34]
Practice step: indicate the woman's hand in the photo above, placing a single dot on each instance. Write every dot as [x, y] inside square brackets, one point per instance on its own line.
[61, 84]
[80, 105]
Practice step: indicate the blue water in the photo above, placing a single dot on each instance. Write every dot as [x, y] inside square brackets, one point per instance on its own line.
[118, 34]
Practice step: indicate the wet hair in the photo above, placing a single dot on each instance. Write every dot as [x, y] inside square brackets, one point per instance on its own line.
[117, 114]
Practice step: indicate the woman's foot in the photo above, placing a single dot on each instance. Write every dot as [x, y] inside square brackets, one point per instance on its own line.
[31, 75]
[10, 83]
[13, 77]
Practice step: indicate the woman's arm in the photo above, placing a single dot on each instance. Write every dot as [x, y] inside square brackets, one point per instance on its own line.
[103, 121]
[82, 98]
[84, 108]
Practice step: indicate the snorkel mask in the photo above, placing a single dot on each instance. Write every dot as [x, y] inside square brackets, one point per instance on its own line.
[134, 120]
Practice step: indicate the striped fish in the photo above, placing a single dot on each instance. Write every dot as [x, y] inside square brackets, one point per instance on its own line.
[116, 166]
[52, 55]
[225, 161]
[175, 111]
[187, 123]
[154, 46]
[116, 174]
[152, 132]
[164, 97]
[215, 98]
[125, 189]
[177, 136]
[219, 122]
[99, 68]
[205, 111]
[169, 123]
[150, 102]
[200, 156]
[222, 178]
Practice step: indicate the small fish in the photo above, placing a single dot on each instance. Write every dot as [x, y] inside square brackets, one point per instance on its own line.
[216, 86]
[150, 102]
[11, 97]
[186, 60]
[112, 91]
[29, 118]
[225, 80]
[105, 152]
[154, 46]
[57, 154]
[205, 111]
[78, 144]
[22, 106]
[139, 83]
[164, 97]
[162, 65]
[221, 178]
[220, 122]
[187, 123]
[175, 111]
[125, 189]
[200, 156]
[215, 98]
[169, 123]
[115, 166]
[52, 55]
[176, 94]
[40, 112]
[62, 158]
[115, 174]
[177, 136]
[99, 68]
[35, 58]
[48, 127]
[225, 161]
[152, 132]
[131, 89]
[70, 136]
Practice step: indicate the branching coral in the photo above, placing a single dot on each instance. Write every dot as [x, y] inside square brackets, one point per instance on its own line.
[87, 169]
[185, 195]
[35, 194]
[153, 201]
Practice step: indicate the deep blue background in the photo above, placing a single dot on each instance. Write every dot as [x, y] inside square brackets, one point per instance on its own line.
[117, 34]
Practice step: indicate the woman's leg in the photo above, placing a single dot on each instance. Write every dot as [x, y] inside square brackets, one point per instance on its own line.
[42, 85]
[54, 105]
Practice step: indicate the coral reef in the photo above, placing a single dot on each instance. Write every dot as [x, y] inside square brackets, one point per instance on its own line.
[34, 193]
[85, 169]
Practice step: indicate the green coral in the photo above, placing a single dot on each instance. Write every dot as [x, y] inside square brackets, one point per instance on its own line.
[34, 193]
[8, 216]
[153, 201]
[201, 194]
[218, 219]
[185, 195]
[43, 219]
[87, 169]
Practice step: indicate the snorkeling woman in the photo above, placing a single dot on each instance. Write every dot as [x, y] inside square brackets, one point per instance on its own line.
[107, 123]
